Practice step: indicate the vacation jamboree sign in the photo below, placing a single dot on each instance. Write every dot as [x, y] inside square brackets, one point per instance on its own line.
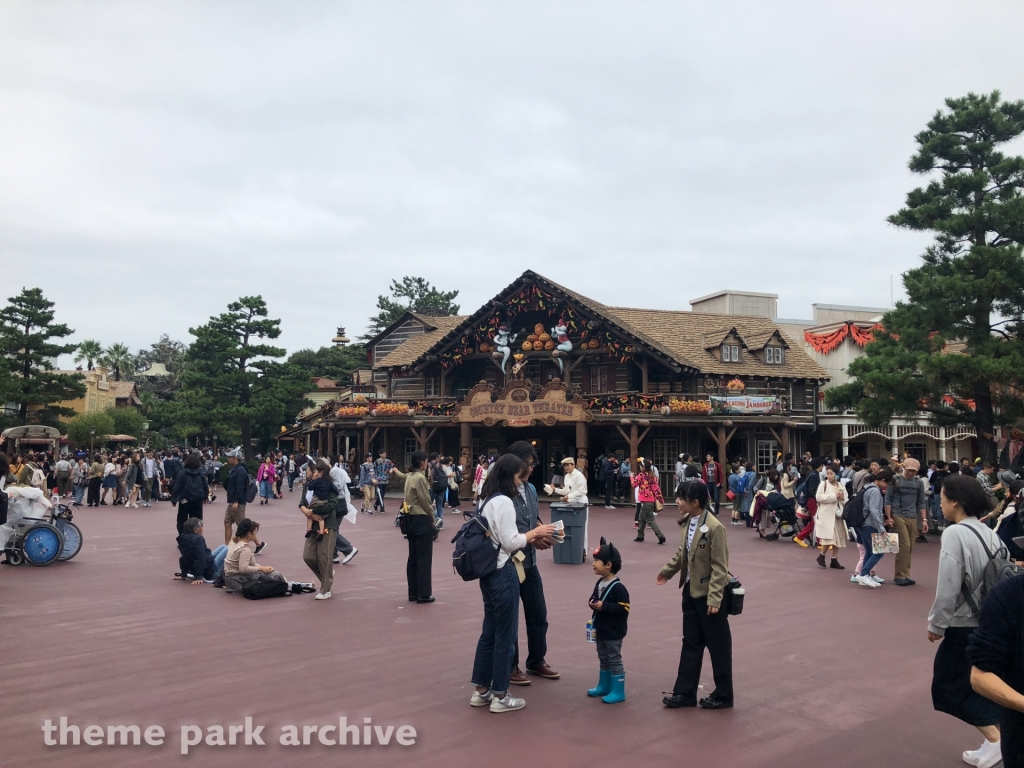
[743, 405]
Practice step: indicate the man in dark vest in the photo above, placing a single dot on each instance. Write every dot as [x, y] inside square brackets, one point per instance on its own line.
[531, 591]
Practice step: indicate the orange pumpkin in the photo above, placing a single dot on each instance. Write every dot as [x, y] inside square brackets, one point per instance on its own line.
[532, 338]
[538, 345]
[594, 344]
[469, 350]
[549, 345]
[538, 329]
[484, 346]
[527, 346]
[545, 337]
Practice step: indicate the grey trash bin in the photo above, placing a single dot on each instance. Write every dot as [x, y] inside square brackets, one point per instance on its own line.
[574, 518]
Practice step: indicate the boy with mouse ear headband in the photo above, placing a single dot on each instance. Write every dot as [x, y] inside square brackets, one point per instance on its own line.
[610, 604]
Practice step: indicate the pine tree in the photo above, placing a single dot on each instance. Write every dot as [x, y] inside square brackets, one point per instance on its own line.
[26, 330]
[231, 376]
[954, 350]
[413, 294]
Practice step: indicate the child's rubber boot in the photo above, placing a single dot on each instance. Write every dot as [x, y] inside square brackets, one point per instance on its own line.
[618, 690]
[604, 684]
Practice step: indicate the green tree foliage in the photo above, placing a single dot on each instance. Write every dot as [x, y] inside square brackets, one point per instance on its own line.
[26, 333]
[78, 428]
[88, 351]
[231, 377]
[954, 349]
[119, 360]
[411, 294]
[127, 421]
[336, 363]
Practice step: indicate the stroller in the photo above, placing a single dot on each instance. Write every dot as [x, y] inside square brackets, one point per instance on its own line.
[37, 532]
[777, 511]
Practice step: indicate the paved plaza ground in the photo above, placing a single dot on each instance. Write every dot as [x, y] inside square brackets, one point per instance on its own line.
[826, 673]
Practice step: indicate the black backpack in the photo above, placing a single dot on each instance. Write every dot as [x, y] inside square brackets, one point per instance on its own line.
[475, 553]
[250, 490]
[263, 587]
[439, 480]
[854, 514]
[998, 568]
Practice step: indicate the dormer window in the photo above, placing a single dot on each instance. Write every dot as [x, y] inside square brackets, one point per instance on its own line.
[730, 353]
[774, 356]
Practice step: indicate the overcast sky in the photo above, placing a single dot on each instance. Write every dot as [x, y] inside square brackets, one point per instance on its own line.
[159, 159]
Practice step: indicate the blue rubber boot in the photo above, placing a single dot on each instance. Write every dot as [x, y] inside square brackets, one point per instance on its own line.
[618, 690]
[604, 684]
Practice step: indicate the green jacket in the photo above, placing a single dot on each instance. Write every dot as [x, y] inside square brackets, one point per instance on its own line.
[417, 493]
[707, 562]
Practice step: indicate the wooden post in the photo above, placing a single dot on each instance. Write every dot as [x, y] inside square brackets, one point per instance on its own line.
[785, 441]
[582, 447]
[332, 448]
[443, 386]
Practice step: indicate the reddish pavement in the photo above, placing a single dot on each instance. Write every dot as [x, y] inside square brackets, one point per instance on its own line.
[826, 672]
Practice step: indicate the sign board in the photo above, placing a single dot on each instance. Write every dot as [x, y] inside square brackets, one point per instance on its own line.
[743, 405]
[512, 406]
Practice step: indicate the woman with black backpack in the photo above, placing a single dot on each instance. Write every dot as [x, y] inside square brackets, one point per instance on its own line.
[495, 650]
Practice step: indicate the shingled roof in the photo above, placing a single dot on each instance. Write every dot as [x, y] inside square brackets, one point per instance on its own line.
[409, 351]
[683, 333]
[676, 336]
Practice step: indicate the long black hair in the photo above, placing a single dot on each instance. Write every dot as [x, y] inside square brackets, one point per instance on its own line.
[417, 458]
[502, 476]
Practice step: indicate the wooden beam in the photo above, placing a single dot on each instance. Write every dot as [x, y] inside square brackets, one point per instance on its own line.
[634, 446]
[729, 437]
[713, 435]
[723, 443]
[642, 436]
[429, 437]
[443, 385]
[622, 432]
[777, 438]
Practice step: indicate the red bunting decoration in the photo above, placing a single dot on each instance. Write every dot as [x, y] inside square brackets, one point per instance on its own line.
[825, 343]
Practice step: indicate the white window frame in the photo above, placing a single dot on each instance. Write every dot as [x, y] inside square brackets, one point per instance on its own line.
[774, 356]
[411, 444]
[730, 353]
[766, 453]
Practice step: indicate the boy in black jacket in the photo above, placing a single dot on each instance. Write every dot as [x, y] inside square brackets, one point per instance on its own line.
[196, 561]
[610, 604]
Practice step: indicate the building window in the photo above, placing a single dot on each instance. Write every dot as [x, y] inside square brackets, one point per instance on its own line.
[433, 386]
[599, 379]
[665, 451]
[773, 355]
[730, 353]
[411, 444]
[917, 450]
[767, 451]
[92, 402]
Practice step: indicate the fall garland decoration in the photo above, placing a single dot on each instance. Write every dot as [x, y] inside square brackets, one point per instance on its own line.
[825, 343]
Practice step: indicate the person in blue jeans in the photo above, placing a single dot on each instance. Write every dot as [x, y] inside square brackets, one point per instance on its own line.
[492, 666]
[873, 494]
[197, 562]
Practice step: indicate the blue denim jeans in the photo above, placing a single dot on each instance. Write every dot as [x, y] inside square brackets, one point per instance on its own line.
[439, 503]
[79, 493]
[219, 556]
[500, 634]
[266, 489]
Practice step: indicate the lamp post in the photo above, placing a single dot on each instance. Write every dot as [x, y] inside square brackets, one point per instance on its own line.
[92, 442]
[145, 428]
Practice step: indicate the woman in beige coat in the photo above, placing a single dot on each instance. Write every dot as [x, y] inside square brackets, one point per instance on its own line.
[829, 527]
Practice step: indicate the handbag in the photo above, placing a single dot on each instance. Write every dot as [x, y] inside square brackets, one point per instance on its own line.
[734, 594]
[658, 506]
[730, 495]
[885, 543]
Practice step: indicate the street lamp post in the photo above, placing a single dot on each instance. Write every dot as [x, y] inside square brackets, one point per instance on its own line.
[92, 442]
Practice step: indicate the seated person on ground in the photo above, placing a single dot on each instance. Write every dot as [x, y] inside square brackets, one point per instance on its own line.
[197, 562]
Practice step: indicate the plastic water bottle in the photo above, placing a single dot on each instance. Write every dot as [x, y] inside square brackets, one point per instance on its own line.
[591, 632]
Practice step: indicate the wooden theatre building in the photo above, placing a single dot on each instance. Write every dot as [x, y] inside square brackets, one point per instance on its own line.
[575, 377]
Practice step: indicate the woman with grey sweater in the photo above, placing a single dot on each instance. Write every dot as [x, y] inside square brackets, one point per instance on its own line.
[954, 614]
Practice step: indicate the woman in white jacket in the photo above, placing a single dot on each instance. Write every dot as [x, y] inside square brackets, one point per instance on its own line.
[829, 527]
[492, 666]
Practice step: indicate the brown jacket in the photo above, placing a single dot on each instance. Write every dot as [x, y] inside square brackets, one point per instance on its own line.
[707, 562]
[417, 493]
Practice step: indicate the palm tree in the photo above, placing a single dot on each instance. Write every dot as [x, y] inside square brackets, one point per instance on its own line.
[117, 358]
[90, 351]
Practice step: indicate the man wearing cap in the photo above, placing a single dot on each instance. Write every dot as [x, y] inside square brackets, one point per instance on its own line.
[574, 489]
[236, 488]
[905, 504]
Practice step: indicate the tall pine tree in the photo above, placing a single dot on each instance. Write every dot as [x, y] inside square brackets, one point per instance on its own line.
[231, 375]
[27, 332]
[954, 350]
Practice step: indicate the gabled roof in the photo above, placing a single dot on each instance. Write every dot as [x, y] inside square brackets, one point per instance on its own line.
[714, 337]
[125, 390]
[676, 338]
[409, 351]
[759, 340]
[430, 322]
[683, 333]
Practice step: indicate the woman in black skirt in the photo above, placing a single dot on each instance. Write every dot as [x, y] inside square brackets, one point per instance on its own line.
[966, 544]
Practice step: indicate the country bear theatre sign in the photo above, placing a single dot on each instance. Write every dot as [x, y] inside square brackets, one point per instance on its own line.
[513, 408]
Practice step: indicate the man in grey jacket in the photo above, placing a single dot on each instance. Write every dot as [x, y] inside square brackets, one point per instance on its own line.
[531, 591]
[905, 504]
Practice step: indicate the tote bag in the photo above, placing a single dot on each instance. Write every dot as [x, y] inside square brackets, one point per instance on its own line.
[885, 543]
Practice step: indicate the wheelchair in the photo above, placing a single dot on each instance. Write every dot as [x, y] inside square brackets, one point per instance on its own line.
[42, 541]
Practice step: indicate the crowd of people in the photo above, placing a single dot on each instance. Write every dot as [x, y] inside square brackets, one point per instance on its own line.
[879, 505]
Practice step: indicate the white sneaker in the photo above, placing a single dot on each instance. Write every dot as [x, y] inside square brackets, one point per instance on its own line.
[350, 555]
[323, 596]
[608, 506]
[986, 756]
[483, 699]
[854, 578]
[877, 579]
[507, 704]
[867, 581]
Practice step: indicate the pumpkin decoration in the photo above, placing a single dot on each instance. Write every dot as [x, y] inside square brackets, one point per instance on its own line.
[538, 345]
[545, 337]
[549, 345]
[527, 346]
[518, 356]
[538, 329]
[532, 338]
[484, 346]
[593, 344]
